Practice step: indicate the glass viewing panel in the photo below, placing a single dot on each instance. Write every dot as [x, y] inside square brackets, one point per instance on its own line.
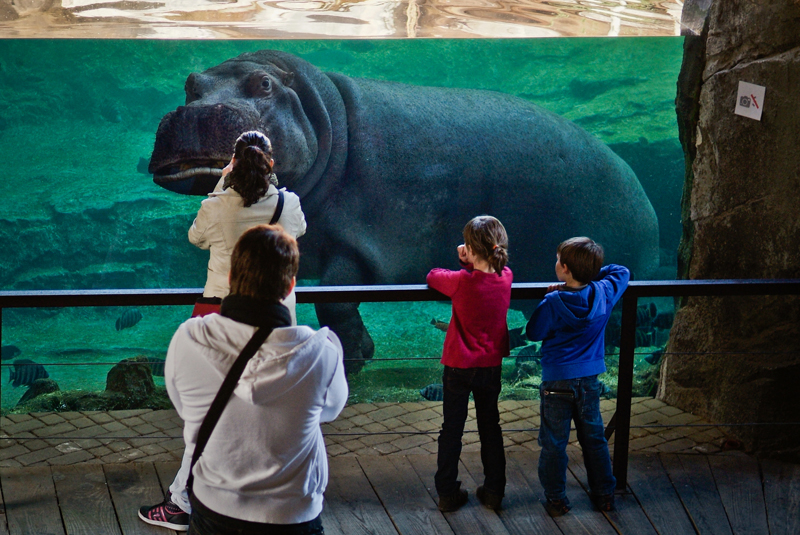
[76, 348]
[78, 120]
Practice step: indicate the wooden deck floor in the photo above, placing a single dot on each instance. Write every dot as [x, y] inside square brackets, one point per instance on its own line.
[668, 493]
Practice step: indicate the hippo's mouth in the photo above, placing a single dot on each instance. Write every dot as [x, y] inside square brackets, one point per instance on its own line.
[190, 177]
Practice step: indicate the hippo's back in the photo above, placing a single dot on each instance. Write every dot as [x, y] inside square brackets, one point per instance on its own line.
[440, 156]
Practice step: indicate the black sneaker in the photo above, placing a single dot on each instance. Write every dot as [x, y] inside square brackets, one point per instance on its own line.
[452, 502]
[489, 499]
[604, 503]
[557, 507]
[166, 514]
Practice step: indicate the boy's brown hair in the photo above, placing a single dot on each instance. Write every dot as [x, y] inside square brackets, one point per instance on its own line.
[263, 263]
[582, 256]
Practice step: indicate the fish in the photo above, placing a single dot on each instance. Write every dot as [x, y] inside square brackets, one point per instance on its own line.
[156, 366]
[654, 357]
[141, 167]
[644, 338]
[664, 320]
[26, 371]
[9, 352]
[441, 325]
[129, 318]
[530, 351]
[434, 392]
[516, 337]
[645, 314]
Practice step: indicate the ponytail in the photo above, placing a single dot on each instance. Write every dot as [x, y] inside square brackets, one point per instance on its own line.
[487, 238]
[252, 173]
[498, 258]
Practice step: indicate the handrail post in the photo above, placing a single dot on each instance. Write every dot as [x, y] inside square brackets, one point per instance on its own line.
[627, 346]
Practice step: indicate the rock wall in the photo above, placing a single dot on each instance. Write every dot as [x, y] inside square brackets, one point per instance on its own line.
[737, 359]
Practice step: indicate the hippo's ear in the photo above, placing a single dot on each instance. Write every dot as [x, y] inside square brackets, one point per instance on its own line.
[287, 78]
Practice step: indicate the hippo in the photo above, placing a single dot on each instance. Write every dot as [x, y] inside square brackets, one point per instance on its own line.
[389, 173]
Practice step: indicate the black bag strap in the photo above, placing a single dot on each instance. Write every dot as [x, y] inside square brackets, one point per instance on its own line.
[224, 395]
[278, 209]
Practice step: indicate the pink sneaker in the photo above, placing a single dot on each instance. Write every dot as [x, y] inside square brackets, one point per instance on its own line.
[166, 514]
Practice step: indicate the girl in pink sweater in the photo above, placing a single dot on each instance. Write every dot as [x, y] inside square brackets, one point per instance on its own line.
[476, 342]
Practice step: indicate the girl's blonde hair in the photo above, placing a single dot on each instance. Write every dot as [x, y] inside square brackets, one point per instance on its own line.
[486, 237]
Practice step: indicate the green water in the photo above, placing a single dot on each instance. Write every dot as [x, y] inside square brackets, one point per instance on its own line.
[77, 117]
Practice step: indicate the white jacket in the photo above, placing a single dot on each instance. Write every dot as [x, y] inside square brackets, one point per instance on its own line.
[266, 459]
[222, 219]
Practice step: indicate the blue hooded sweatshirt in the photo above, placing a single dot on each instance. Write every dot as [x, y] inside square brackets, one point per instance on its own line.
[572, 323]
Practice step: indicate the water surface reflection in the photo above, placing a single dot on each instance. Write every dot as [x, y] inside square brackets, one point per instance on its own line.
[298, 19]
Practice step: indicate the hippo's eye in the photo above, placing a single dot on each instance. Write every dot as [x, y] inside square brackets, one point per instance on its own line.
[259, 84]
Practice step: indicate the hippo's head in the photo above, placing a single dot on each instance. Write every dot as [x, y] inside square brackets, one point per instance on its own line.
[258, 91]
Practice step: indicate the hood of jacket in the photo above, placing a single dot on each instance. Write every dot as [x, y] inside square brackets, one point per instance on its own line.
[582, 307]
[281, 363]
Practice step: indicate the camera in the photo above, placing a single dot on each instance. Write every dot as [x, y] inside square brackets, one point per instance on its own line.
[744, 102]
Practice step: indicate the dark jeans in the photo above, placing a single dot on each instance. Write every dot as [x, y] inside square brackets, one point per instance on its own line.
[563, 401]
[204, 521]
[484, 383]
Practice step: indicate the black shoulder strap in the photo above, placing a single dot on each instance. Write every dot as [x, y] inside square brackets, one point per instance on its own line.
[224, 395]
[278, 209]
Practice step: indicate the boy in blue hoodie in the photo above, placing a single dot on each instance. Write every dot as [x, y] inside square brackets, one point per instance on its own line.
[571, 322]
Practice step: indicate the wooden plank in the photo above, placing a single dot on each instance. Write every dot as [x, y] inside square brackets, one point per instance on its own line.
[166, 474]
[403, 495]
[351, 506]
[693, 481]
[31, 503]
[782, 496]
[133, 485]
[84, 500]
[628, 516]
[520, 513]
[329, 521]
[3, 520]
[472, 518]
[582, 518]
[650, 483]
[739, 485]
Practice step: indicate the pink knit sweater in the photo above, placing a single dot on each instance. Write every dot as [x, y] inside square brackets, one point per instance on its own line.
[478, 333]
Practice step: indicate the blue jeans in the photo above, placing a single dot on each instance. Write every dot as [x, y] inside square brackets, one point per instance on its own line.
[562, 401]
[204, 521]
[484, 383]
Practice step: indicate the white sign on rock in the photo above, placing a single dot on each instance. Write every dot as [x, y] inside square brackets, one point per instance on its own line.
[750, 100]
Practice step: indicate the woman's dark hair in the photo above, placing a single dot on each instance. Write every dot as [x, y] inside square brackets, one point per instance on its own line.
[487, 238]
[251, 173]
[263, 263]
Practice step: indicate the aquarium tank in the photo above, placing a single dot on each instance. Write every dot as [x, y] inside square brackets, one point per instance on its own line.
[84, 87]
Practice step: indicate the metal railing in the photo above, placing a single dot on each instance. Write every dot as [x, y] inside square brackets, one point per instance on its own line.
[620, 423]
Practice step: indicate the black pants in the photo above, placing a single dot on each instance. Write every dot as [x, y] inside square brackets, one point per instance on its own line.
[484, 383]
[204, 521]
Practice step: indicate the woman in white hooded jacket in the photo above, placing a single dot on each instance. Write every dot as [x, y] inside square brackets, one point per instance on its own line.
[246, 195]
[265, 463]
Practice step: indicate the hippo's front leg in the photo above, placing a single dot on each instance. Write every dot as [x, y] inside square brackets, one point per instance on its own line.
[344, 318]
